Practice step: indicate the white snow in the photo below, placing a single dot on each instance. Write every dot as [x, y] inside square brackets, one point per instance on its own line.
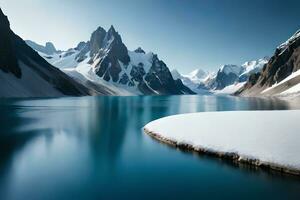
[293, 75]
[227, 69]
[197, 75]
[230, 89]
[270, 136]
[145, 59]
[294, 89]
[254, 66]
[61, 60]
[84, 72]
[285, 45]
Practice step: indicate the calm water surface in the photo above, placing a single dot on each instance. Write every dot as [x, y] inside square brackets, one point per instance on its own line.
[94, 148]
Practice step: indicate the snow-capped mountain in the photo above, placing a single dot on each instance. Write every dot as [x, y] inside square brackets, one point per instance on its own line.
[105, 60]
[226, 75]
[252, 67]
[228, 79]
[24, 73]
[281, 74]
[196, 80]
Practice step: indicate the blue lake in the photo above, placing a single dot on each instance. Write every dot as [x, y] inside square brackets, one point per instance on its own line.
[94, 148]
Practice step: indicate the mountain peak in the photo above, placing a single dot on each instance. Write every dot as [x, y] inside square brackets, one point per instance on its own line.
[8, 58]
[50, 47]
[96, 41]
[112, 34]
[112, 29]
[139, 50]
[235, 69]
[4, 19]
[198, 73]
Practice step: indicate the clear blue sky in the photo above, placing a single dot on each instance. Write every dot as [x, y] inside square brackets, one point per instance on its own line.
[186, 34]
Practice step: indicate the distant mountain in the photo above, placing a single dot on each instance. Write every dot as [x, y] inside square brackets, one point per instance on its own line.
[227, 79]
[23, 73]
[281, 75]
[105, 60]
[226, 75]
[48, 49]
[196, 80]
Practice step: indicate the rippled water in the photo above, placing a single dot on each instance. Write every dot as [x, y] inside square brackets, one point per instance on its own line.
[94, 148]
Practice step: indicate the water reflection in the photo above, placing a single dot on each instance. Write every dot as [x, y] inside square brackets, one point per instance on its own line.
[94, 146]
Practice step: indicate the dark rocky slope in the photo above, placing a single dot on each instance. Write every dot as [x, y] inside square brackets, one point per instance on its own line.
[25, 73]
[283, 63]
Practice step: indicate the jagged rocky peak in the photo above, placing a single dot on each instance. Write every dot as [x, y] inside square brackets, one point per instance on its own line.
[109, 44]
[139, 50]
[8, 60]
[97, 40]
[109, 49]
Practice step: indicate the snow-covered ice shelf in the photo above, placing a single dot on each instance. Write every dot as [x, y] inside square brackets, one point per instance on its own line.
[270, 139]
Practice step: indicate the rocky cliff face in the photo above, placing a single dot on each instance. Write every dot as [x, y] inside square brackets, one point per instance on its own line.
[109, 49]
[8, 59]
[32, 75]
[283, 63]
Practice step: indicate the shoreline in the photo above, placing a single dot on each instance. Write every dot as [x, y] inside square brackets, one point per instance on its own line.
[232, 156]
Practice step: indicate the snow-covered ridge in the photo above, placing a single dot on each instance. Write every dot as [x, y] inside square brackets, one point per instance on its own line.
[270, 143]
[285, 45]
[235, 69]
[254, 66]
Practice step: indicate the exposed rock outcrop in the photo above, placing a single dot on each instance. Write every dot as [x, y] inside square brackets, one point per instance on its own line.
[283, 63]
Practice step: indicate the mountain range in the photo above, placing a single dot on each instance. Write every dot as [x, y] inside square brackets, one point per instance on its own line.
[103, 65]
[105, 62]
[276, 76]
[227, 79]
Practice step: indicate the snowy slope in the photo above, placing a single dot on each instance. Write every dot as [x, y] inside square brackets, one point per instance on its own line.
[284, 46]
[234, 69]
[286, 86]
[230, 89]
[252, 67]
[274, 141]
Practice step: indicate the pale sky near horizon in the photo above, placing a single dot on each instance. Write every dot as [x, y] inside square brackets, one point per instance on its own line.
[185, 34]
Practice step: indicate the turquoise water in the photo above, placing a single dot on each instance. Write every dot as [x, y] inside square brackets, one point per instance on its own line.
[94, 148]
